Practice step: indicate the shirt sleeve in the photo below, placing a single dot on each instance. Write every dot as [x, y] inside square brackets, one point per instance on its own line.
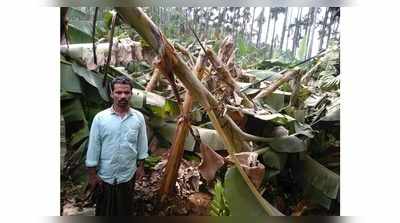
[94, 147]
[142, 141]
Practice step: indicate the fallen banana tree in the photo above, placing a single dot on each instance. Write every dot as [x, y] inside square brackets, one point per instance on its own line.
[182, 130]
[136, 18]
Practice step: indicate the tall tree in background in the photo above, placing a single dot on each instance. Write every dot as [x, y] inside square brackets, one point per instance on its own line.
[296, 34]
[309, 24]
[289, 28]
[283, 30]
[274, 15]
[260, 22]
[250, 39]
[334, 12]
[268, 23]
[245, 20]
[313, 27]
[322, 32]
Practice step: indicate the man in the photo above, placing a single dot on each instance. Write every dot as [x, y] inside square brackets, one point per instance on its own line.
[116, 151]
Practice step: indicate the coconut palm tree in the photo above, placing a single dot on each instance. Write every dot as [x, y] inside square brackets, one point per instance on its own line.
[274, 15]
[260, 22]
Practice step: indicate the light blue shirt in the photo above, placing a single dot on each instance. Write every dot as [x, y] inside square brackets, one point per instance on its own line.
[115, 144]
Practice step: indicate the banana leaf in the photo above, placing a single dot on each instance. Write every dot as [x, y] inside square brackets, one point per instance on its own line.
[209, 137]
[262, 74]
[94, 79]
[274, 159]
[68, 80]
[241, 200]
[276, 118]
[72, 111]
[333, 111]
[160, 106]
[322, 183]
[288, 144]
[78, 34]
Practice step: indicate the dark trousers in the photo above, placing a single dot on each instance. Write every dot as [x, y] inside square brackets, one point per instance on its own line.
[114, 199]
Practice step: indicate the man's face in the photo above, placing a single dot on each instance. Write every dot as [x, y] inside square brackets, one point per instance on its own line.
[121, 95]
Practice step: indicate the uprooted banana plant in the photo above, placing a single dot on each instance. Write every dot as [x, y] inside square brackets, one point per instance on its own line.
[136, 18]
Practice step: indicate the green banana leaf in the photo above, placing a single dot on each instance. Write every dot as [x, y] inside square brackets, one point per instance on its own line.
[77, 35]
[94, 79]
[274, 159]
[276, 118]
[72, 111]
[262, 74]
[209, 137]
[321, 181]
[288, 144]
[242, 201]
[68, 80]
[160, 106]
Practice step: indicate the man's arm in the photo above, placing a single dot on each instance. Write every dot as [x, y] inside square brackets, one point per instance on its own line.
[142, 149]
[93, 153]
[142, 141]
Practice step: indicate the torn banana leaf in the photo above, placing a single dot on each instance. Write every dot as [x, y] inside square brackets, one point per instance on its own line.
[94, 79]
[275, 100]
[78, 32]
[274, 161]
[68, 79]
[242, 201]
[160, 106]
[209, 137]
[276, 118]
[72, 110]
[332, 111]
[265, 74]
[288, 144]
[79, 136]
[321, 181]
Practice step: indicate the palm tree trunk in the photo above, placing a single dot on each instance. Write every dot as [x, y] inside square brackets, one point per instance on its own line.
[322, 36]
[331, 21]
[221, 17]
[269, 22]
[296, 33]
[260, 23]
[288, 31]
[283, 30]
[308, 32]
[251, 28]
[272, 40]
[312, 36]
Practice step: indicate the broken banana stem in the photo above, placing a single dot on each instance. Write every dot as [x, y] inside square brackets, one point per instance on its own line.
[270, 89]
[227, 77]
[154, 80]
[177, 147]
[136, 18]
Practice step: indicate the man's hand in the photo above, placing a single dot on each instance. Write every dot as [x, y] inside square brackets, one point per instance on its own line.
[94, 180]
[140, 170]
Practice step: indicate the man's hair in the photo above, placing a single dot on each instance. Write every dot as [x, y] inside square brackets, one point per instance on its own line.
[121, 80]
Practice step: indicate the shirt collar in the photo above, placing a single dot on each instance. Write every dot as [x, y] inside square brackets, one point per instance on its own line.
[130, 112]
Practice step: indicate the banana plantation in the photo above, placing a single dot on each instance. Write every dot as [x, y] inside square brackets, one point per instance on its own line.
[241, 105]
